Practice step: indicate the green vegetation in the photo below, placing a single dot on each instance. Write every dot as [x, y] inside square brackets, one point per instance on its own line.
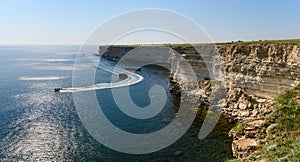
[250, 99]
[178, 45]
[283, 143]
[286, 41]
[127, 45]
[187, 45]
[281, 134]
[215, 147]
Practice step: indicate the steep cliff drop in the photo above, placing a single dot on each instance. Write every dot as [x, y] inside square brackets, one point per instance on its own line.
[255, 74]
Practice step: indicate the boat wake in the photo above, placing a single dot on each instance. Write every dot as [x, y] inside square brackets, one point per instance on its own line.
[131, 79]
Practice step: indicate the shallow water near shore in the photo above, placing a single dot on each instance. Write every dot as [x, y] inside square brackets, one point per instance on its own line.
[38, 124]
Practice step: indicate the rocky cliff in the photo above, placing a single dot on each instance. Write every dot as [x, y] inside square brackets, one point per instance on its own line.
[114, 52]
[253, 75]
[256, 74]
[262, 70]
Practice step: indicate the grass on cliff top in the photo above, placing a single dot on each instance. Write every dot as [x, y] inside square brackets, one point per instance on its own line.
[286, 41]
[282, 143]
[187, 45]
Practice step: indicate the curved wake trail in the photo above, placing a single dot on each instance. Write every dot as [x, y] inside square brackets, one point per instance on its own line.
[132, 78]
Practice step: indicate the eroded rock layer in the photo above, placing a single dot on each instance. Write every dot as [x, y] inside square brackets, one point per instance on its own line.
[252, 74]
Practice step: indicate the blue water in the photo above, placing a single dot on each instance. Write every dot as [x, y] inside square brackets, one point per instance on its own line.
[38, 124]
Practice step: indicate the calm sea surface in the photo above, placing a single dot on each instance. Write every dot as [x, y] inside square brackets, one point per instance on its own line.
[38, 124]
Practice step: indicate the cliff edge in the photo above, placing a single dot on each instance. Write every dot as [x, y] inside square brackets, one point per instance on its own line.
[254, 75]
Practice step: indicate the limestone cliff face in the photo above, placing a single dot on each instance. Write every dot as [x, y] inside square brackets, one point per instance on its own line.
[256, 74]
[262, 70]
[253, 74]
[114, 52]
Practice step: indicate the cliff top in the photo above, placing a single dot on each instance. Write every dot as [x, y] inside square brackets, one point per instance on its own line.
[286, 41]
[258, 42]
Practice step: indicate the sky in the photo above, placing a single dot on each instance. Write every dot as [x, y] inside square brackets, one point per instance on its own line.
[72, 21]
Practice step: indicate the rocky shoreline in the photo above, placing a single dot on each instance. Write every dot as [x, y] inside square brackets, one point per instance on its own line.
[254, 75]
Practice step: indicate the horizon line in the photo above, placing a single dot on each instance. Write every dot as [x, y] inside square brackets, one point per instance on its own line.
[161, 43]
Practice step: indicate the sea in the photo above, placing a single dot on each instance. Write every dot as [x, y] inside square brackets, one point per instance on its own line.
[39, 124]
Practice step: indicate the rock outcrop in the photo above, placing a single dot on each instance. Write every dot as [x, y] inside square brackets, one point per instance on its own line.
[264, 70]
[254, 75]
[114, 52]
